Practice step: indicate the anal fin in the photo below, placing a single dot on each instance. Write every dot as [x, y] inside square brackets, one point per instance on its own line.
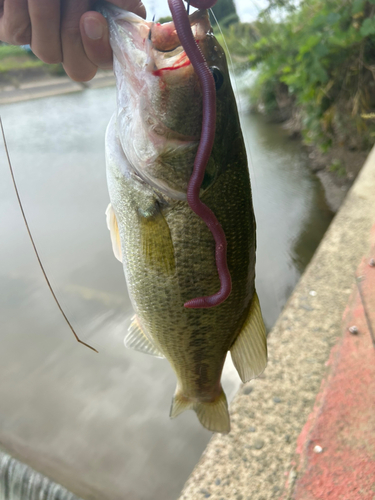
[213, 415]
[249, 351]
[136, 339]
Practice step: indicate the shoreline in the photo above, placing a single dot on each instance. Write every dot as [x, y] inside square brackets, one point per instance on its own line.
[41, 85]
[337, 168]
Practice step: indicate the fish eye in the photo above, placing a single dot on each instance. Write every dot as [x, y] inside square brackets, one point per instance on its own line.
[218, 77]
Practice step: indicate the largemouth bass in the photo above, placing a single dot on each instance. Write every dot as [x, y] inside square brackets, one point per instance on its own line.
[167, 251]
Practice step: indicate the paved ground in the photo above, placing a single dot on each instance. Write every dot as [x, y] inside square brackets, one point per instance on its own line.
[269, 453]
[337, 444]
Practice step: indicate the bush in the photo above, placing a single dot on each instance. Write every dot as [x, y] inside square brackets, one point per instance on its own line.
[323, 53]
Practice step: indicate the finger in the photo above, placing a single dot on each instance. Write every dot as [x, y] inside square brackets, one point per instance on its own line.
[75, 61]
[15, 25]
[45, 36]
[135, 6]
[95, 38]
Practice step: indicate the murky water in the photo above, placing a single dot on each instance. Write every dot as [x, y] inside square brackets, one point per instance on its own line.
[98, 423]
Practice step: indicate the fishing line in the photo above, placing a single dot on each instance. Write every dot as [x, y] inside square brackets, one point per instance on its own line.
[231, 64]
[236, 92]
[33, 242]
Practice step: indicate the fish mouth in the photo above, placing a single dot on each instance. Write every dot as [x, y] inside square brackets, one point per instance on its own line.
[146, 50]
[169, 55]
[164, 36]
[160, 42]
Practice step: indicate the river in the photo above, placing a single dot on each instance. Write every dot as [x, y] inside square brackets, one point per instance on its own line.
[98, 423]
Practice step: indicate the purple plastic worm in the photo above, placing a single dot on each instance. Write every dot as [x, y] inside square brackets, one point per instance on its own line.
[183, 28]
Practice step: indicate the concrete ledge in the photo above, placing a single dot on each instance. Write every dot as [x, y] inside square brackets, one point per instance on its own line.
[36, 90]
[337, 444]
[258, 459]
[53, 86]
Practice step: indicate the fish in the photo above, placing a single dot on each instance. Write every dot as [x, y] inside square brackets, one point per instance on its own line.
[167, 251]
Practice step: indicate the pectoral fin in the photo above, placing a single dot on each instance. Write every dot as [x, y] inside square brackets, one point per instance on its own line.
[115, 235]
[156, 242]
[136, 339]
[249, 351]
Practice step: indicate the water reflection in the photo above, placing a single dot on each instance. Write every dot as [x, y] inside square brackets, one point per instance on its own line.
[99, 424]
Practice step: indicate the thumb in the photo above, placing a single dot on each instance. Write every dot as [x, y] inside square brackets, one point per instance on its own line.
[95, 39]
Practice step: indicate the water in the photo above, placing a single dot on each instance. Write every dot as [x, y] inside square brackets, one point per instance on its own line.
[98, 423]
[291, 212]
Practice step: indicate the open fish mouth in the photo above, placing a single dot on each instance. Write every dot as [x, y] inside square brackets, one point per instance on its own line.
[164, 37]
[163, 52]
[169, 54]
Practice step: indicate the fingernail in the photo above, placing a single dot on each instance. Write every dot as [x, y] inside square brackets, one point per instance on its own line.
[93, 28]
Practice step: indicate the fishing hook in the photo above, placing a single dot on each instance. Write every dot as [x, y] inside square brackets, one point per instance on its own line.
[150, 32]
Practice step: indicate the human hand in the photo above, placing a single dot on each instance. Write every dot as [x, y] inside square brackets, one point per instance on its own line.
[65, 31]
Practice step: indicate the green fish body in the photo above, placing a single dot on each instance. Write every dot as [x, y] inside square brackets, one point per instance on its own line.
[167, 251]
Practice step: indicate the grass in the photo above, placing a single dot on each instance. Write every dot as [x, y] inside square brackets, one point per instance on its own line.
[16, 58]
[14, 63]
[11, 51]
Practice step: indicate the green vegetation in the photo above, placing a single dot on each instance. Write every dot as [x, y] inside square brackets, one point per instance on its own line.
[225, 12]
[15, 58]
[315, 62]
[337, 168]
[165, 19]
[11, 51]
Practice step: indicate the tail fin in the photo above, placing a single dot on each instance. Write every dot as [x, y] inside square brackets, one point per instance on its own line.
[212, 415]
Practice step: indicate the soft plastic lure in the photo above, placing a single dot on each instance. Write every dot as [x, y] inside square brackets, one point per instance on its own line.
[182, 25]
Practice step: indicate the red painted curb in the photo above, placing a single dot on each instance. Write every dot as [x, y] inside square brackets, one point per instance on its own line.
[337, 444]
